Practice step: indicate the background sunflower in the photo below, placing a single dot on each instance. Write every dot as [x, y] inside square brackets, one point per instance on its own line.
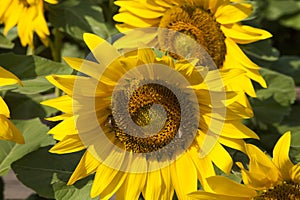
[266, 179]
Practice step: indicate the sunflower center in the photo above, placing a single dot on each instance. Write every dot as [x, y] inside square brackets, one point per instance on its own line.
[149, 105]
[283, 191]
[199, 25]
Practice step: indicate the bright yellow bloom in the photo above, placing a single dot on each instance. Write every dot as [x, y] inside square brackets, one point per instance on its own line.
[192, 129]
[28, 16]
[8, 131]
[215, 24]
[276, 179]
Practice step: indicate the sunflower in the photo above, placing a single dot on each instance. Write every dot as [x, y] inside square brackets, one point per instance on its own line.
[277, 179]
[215, 24]
[150, 125]
[28, 15]
[7, 130]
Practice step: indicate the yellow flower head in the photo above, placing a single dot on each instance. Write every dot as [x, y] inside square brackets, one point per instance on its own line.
[8, 131]
[150, 124]
[276, 179]
[28, 15]
[215, 24]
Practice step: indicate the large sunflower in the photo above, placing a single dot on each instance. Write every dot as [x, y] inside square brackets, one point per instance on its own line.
[278, 179]
[150, 124]
[215, 24]
[7, 130]
[28, 15]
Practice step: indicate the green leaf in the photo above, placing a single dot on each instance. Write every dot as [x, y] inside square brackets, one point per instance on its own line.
[31, 70]
[72, 50]
[35, 135]
[81, 190]
[280, 87]
[261, 50]
[34, 86]
[76, 17]
[289, 65]
[291, 21]
[5, 43]
[27, 106]
[276, 9]
[273, 103]
[292, 123]
[37, 169]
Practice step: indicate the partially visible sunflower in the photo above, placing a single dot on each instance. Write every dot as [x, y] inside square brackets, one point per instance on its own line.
[276, 179]
[28, 16]
[156, 164]
[215, 24]
[8, 131]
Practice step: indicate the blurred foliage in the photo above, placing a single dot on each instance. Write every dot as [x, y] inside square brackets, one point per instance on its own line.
[35, 135]
[48, 173]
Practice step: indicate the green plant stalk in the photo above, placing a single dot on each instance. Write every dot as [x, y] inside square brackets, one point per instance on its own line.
[56, 47]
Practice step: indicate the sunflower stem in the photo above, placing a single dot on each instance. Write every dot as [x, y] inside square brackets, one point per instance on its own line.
[56, 47]
[30, 51]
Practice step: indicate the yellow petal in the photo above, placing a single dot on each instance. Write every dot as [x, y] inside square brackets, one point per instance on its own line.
[168, 189]
[215, 4]
[8, 131]
[132, 186]
[146, 55]
[261, 167]
[233, 13]
[25, 26]
[218, 79]
[7, 78]
[52, 1]
[221, 158]
[87, 67]
[107, 181]
[225, 186]
[237, 130]
[256, 179]
[237, 144]
[66, 127]
[12, 18]
[281, 155]
[139, 9]
[243, 34]
[201, 195]
[78, 85]
[295, 173]
[59, 117]
[98, 45]
[4, 108]
[87, 166]
[40, 26]
[203, 165]
[237, 54]
[167, 4]
[133, 38]
[136, 21]
[184, 176]
[124, 28]
[62, 103]
[154, 185]
[63, 82]
[243, 83]
[69, 144]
